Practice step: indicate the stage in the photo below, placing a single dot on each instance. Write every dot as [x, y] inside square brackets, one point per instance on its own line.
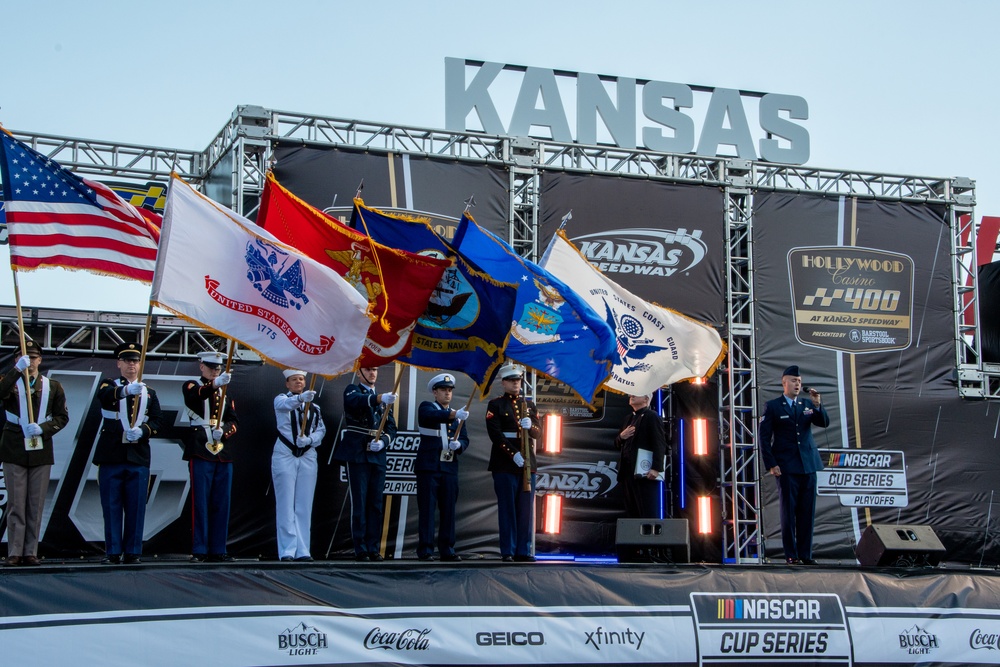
[167, 611]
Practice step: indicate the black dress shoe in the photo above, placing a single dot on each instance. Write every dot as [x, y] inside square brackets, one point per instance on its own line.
[219, 558]
[375, 557]
[524, 559]
[425, 557]
[286, 559]
[112, 559]
[132, 559]
[30, 561]
[362, 557]
[507, 559]
[793, 561]
[13, 561]
[304, 559]
[808, 561]
[451, 558]
[197, 558]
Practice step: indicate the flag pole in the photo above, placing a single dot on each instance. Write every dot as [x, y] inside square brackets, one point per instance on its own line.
[216, 447]
[467, 405]
[385, 415]
[29, 443]
[526, 449]
[305, 409]
[142, 359]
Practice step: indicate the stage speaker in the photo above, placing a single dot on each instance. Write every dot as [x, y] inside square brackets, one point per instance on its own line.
[653, 541]
[899, 546]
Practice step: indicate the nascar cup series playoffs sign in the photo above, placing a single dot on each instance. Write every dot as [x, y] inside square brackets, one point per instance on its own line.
[851, 299]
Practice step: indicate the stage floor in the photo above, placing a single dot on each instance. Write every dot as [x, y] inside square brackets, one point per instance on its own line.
[167, 611]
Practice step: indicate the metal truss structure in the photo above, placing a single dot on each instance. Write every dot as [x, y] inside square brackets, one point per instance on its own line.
[232, 169]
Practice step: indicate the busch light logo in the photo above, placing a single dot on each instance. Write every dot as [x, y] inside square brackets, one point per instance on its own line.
[273, 273]
[651, 252]
[410, 639]
[917, 641]
[577, 480]
[987, 640]
[302, 640]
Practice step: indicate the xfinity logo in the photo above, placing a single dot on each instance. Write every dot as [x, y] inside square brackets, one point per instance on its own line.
[601, 637]
[650, 252]
[410, 639]
[577, 480]
[302, 640]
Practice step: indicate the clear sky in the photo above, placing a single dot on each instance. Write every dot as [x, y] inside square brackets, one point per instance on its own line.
[896, 86]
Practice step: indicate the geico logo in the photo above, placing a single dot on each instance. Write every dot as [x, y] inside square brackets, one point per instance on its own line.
[510, 638]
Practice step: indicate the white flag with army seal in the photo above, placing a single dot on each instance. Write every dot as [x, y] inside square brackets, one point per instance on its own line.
[219, 270]
[654, 346]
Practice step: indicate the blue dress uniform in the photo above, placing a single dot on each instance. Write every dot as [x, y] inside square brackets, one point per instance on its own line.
[437, 472]
[514, 504]
[365, 469]
[211, 473]
[786, 441]
[123, 466]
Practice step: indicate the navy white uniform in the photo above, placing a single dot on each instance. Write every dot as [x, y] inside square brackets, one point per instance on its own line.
[514, 505]
[365, 469]
[26, 473]
[123, 467]
[211, 473]
[437, 473]
[786, 441]
[294, 469]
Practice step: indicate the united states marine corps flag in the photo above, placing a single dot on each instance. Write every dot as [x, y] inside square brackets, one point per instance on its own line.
[217, 269]
[397, 284]
[654, 346]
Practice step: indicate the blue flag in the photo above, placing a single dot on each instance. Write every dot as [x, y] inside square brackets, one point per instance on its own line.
[467, 322]
[554, 330]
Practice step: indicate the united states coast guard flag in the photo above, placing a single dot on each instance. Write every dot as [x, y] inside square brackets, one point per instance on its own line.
[655, 346]
[222, 272]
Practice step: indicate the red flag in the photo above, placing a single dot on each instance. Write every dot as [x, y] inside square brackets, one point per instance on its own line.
[56, 218]
[397, 284]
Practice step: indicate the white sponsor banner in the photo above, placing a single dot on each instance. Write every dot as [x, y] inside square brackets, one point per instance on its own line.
[863, 477]
[911, 636]
[224, 273]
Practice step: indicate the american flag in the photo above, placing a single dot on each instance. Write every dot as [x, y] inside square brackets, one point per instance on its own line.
[56, 218]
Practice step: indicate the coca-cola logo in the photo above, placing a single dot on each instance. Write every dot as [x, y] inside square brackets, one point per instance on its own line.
[989, 640]
[410, 639]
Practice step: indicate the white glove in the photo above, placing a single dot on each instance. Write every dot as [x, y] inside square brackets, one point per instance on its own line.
[134, 388]
[222, 380]
[525, 422]
[376, 445]
[22, 363]
[303, 441]
[133, 434]
[216, 434]
[461, 414]
[454, 445]
[519, 460]
[32, 429]
[388, 399]
[307, 396]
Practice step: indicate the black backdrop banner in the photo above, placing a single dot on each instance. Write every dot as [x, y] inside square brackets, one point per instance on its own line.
[662, 242]
[858, 294]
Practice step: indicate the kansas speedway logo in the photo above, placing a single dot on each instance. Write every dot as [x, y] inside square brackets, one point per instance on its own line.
[577, 480]
[851, 299]
[643, 251]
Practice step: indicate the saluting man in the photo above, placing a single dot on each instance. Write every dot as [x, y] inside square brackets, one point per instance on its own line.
[507, 416]
[365, 457]
[294, 465]
[437, 467]
[208, 449]
[26, 450]
[122, 455]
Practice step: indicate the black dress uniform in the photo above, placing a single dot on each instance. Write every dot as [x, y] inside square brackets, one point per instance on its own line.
[123, 465]
[437, 472]
[642, 495]
[365, 469]
[514, 504]
[211, 472]
[786, 442]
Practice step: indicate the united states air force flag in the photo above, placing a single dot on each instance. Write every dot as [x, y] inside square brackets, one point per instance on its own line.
[654, 346]
[553, 329]
[466, 325]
